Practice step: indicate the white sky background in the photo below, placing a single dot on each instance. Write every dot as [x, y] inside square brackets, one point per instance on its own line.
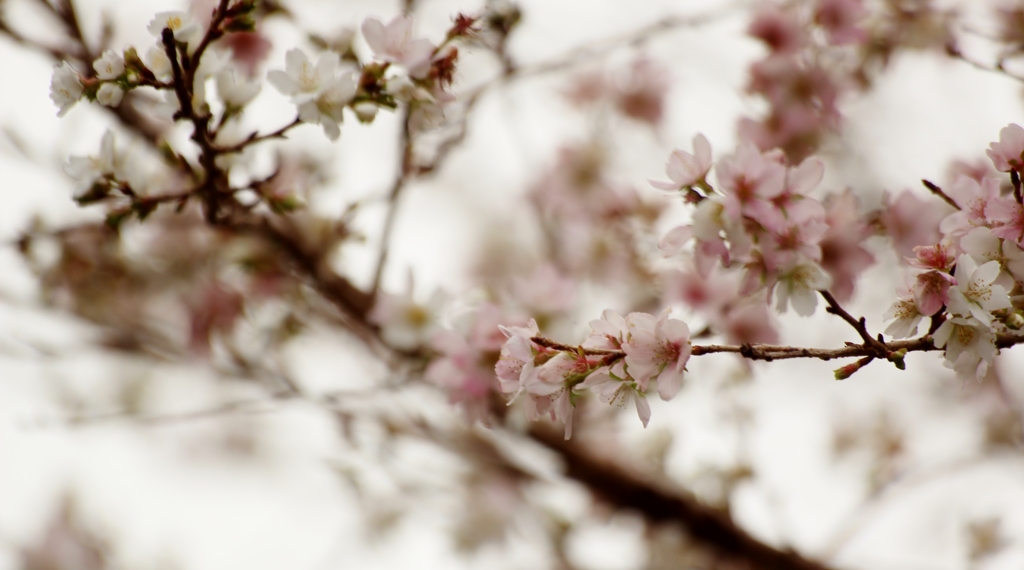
[170, 494]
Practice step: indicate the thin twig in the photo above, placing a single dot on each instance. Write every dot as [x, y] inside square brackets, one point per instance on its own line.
[938, 192]
[401, 178]
[859, 325]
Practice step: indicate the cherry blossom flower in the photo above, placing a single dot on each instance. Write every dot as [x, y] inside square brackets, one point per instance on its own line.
[910, 221]
[234, 89]
[800, 181]
[970, 346]
[1007, 219]
[982, 244]
[404, 323]
[842, 254]
[798, 235]
[461, 373]
[301, 79]
[158, 62]
[839, 18]
[608, 332]
[780, 31]
[975, 295]
[1008, 153]
[185, 29]
[931, 291]
[657, 348]
[748, 323]
[907, 314]
[393, 42]
[109, 94]
[544, 292]
[973, 198]
[91, 170]
[65, 88]
[321, 95]
[798, 284]
[611, 386]
[936, 257]
[559, 373]
[685, 169]
[109, 66]
[515, 364]
[642, 95]
[749, 181]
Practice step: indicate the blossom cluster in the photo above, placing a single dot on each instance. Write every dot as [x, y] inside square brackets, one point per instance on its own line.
[970, 274]
[762, 219]
[620, 362]
[403, 69]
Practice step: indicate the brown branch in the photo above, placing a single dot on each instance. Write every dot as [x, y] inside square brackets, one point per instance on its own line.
[404, 172]
[934, 189]
[257, 138]
[659, 502]
[858, 324]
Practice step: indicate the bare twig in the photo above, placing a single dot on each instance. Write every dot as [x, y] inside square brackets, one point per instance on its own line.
[934, 189]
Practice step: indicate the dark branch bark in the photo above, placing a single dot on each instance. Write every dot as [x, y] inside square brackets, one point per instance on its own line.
[658, 503]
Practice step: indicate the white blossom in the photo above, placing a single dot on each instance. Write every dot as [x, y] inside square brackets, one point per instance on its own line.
[301, 79]
[907, 315]
[975, 294]
[158, 62]
[109, 66]
[65, 88]
[798, 285]
[970, 346]
[184, 28]
[393, 42]
[110, 94]
[88, 170]
[234, 90]
[611, 386]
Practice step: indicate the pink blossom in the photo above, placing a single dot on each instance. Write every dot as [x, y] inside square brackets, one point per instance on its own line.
[750, 181]
[1007, 219]
[779, 30]
[932, 257]
[657, 348]
[685, 169]
[973, 198]
[798, 235]
[393, 42]
[931, 291]
[910, 221]
[608, 332]
[611, 386]
[798, 284]
[556, 372]
[515, 366]
[748, 323]
[840, 18]
[709, 292]
[975, 294]
[1008, 153]
[800, 181]
[545, 291]
[642, 95]
[842, 255]
[461, 373]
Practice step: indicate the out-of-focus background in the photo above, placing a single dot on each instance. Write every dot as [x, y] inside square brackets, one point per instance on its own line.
[136, 459]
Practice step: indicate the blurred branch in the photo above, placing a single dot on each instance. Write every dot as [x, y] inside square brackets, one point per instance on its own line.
[401, 178]
[657, 502]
